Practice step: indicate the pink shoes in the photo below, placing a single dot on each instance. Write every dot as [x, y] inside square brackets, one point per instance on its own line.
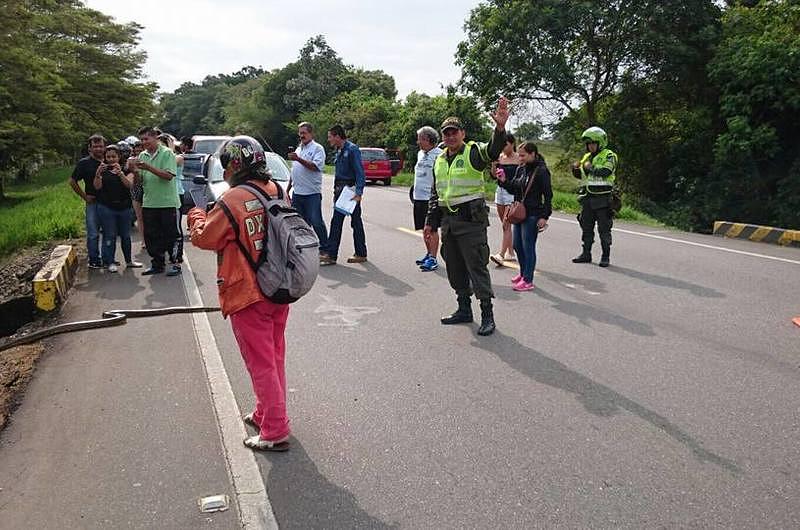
[515, 280]
[522, 285]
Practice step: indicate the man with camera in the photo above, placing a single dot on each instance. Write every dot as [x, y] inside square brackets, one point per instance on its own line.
[308, 164]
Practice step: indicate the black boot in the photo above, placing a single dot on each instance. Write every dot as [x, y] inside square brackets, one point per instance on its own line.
[462, 315]
[584, 257]
[605, 259]
[487, 318]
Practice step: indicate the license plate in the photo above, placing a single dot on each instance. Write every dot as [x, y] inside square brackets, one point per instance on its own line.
[372, 166]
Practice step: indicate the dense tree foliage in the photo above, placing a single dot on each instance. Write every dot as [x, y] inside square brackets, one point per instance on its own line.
[66, 72]
[702, 101]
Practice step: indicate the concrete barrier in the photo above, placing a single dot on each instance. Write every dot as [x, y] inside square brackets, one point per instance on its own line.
[51, 284]
[764, 234]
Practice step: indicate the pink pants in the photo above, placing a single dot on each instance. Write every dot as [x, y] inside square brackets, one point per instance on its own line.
[259, 331]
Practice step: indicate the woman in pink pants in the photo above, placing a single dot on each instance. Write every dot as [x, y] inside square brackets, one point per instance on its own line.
[235, 230]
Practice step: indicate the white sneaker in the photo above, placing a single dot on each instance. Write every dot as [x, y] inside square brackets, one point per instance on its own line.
[113, 268]
[134, 265]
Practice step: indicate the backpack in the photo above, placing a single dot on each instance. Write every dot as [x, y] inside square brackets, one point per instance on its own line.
[289, 261]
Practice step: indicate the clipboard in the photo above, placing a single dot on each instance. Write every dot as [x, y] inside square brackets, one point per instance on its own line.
[345, 203]
[199, 197]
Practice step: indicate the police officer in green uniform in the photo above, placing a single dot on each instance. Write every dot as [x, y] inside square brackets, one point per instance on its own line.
[597, 172]
[458, 206]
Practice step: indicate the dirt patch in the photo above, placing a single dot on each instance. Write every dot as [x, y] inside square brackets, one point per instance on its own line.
[17, 364]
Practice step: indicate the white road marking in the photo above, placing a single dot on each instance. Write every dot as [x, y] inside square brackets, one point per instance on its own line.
[691, 243]
[342, 316]
[409, 231]
[255, 510]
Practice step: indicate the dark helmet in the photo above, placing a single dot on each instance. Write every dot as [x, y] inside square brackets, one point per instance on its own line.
[247, 151]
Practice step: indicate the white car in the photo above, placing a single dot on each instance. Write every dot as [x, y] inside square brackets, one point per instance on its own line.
[213, 185]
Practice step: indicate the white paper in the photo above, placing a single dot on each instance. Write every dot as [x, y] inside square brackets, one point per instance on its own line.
[345, 204]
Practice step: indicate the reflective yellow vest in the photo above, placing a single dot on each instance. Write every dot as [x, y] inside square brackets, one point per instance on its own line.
[605, 159]
[459, 182]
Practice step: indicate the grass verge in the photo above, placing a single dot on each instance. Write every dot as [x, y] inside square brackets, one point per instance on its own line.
[45, 208]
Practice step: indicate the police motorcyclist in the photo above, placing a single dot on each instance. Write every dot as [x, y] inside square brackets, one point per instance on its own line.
[597, 172]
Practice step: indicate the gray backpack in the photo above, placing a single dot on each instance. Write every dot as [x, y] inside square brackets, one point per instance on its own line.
[289, 262]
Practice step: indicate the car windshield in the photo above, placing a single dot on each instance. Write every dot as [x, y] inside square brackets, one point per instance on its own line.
[192, 166]
[370, 155]
[275, 164]
[208, 146]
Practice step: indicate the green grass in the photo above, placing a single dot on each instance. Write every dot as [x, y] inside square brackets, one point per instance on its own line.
[41, 210]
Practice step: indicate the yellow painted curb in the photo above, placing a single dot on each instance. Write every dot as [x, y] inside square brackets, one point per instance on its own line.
[764, 234]
[52, 282]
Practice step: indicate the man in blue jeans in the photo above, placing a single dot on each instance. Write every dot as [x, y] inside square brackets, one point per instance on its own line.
[349, 172]
[308, 163]
[85, 170]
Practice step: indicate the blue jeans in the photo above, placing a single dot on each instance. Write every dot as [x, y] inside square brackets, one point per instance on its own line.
[310, 208]
[525, 235]
[115, 223]
[93, 233]
[335, 236]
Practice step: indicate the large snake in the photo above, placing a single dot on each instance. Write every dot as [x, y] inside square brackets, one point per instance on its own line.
[114, 317]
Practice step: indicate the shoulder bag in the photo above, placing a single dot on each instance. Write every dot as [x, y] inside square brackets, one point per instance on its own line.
[516, 212]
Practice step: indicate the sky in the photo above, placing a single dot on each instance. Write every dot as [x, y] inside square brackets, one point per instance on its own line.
[413, 41]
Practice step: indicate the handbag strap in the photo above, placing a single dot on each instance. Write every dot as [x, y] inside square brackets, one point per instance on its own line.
[530, 183]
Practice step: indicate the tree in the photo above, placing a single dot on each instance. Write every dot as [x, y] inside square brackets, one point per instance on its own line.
[572, 52]
[530, 130]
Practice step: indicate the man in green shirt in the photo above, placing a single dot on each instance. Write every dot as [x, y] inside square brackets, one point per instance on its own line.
[156, 167]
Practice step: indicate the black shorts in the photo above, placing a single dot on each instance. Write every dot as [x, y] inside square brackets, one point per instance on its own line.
[420, 212]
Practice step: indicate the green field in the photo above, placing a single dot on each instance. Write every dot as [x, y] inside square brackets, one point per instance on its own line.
[43, 209]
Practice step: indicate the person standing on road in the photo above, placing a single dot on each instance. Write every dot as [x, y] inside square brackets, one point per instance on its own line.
[508, 161]
[349, 172]
[176, 252]
[114, 209]
[85, 170]
[597, 172]
[308, 164]
[236, 225]
[529, 184]
[156, 167]
[137, 190]
[427, 140]
[458, 205]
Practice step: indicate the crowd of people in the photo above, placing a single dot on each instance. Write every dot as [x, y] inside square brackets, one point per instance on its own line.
[142, 177]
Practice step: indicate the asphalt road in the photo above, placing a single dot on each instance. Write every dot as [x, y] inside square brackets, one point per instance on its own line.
[660, 392]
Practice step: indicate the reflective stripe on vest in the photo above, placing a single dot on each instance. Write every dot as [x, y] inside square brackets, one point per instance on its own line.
[605, 159]
[458, 182]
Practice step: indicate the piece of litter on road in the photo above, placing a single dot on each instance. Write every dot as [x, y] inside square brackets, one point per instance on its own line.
[796, 320]
[214, 503]
[137, 485]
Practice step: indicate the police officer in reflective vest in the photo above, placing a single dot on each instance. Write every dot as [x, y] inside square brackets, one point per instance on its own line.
[597, 172]
[458, 206]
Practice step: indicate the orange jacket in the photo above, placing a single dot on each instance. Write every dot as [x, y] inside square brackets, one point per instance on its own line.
[236, 280]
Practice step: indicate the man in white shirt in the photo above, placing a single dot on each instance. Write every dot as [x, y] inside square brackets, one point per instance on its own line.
[308, 163]
[427, 138]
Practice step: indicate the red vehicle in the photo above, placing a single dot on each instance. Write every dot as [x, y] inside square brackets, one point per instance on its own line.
[378, 165]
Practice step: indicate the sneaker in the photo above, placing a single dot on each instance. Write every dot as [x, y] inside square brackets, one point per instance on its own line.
[174, 270]
[326, 260]
[497, 259]
[429, 264]
[522, 285]
[259, 444]
[95, 265]
[356, 259]
[134, 265]
[516, 278]
[152, 270]
[511, 257]
[113, 267]
[421, 260]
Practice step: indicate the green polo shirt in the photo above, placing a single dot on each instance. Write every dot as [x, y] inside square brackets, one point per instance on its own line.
[159, 193]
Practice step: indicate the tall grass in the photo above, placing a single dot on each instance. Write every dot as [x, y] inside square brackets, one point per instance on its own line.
[41, 210]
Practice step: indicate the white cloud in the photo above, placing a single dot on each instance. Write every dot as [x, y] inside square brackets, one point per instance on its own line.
[413, 41]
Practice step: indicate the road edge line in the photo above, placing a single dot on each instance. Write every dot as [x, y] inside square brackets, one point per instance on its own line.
[255, 509]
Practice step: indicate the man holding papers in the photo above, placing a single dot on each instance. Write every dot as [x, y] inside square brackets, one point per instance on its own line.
[348, 186]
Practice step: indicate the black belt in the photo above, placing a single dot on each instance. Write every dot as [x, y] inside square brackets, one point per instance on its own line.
[338, 182]
[458, 209]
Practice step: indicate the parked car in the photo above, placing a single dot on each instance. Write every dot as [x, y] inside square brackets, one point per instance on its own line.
[378, 165]
[213, 185]
[193, 163]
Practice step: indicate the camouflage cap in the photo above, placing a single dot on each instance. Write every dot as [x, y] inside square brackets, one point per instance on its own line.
[451, 123]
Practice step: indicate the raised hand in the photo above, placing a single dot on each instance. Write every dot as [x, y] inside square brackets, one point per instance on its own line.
[500, 116]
